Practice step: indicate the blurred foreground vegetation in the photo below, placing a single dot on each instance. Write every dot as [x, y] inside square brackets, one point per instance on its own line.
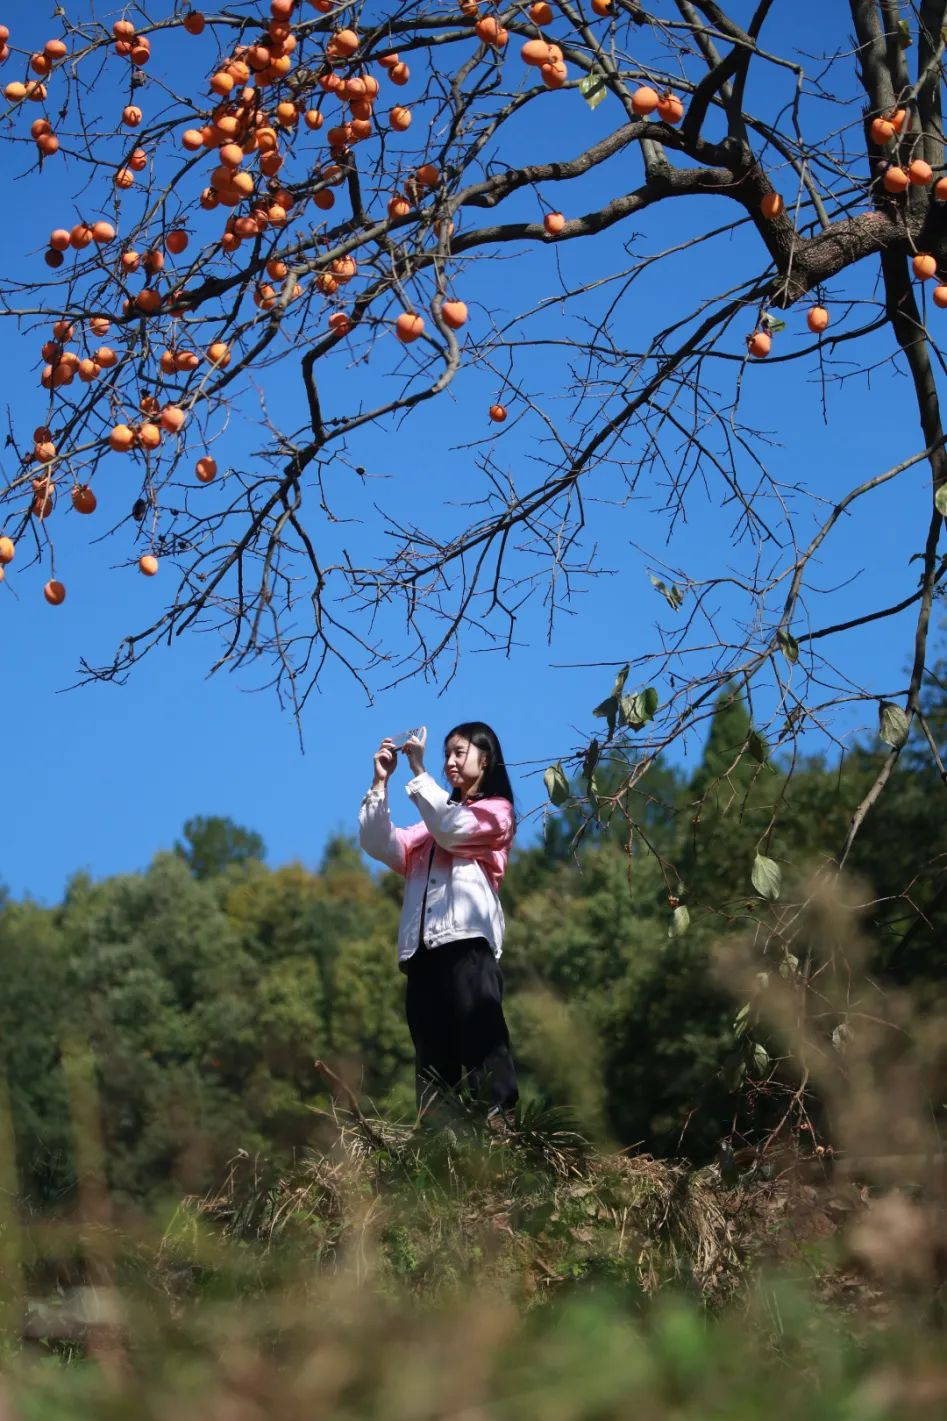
[451, 1272]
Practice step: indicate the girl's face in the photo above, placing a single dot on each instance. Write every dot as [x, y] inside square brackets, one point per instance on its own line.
[464, 765]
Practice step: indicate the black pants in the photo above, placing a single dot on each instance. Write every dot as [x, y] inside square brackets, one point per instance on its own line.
[454, 1006]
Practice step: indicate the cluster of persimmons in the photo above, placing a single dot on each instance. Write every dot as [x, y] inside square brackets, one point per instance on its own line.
[896, 179]
[246, 134]
[261, 99]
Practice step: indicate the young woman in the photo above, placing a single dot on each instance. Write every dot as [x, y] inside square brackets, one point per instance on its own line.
[451, 934]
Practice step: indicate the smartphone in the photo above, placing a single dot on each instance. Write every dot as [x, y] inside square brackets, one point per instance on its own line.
[403, 736]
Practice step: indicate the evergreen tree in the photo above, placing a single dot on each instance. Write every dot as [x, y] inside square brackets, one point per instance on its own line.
[214, 844]
[726, 808]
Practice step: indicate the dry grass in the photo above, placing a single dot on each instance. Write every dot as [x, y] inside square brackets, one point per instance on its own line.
[535, 1208]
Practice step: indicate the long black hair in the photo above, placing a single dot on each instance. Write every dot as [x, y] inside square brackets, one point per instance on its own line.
[496, 781]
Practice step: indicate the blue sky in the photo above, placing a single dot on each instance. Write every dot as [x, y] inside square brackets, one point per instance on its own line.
[100, 778]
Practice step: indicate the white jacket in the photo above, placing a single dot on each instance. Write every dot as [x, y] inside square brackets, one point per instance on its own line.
[458, 853]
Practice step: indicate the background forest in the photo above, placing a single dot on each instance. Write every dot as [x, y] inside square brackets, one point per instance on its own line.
[209, 984]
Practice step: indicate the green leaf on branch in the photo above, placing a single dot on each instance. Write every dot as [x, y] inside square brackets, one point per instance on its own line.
[620, 680]
[741, 1022]
[594, 791]
[757, 747]
[760, 1058]
[557, 786]
[767, 877]
[609, 709]
[893, 724]
[611, 706]
[680, 921]
[638, 708]
[590, 760]
[788, 646]
[592, 89]
[940, 500]
[672, 595]
[905, 38]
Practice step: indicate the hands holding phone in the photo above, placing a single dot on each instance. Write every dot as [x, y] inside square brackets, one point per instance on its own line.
[385, 759]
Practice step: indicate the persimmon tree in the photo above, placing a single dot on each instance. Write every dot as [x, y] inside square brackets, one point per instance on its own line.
[321, 197]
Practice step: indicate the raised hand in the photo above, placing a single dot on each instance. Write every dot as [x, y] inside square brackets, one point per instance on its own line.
[414, 750]
[385, 760]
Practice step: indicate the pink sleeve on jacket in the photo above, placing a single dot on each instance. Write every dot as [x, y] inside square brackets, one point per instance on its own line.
[488, 844]
[491, 831]
[410, 840]
[483, 825]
